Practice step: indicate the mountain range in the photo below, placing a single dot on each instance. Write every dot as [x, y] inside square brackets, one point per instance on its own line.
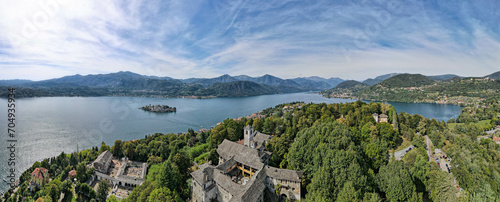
[132, 84]
[126, 83]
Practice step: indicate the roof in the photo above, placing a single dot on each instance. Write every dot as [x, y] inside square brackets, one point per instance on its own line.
[72, 173]
[242, 142]
[496, 139]
[383, 116]
[205, 170]
[39, 173]
[226, 165]
[261, 138]
[103, 157]
[284, 174]
[242, 154]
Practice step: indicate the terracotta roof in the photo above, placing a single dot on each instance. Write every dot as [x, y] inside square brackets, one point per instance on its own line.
[242, 142]
[72, 173]
[39, 173]
[496, 139]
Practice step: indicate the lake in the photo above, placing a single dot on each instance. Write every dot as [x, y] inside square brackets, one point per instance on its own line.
[47, 126]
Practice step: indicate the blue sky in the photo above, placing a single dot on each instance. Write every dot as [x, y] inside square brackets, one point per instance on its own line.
[189, 38]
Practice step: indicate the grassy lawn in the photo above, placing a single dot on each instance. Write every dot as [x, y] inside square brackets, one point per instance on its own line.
[480, 123]
[404, 144]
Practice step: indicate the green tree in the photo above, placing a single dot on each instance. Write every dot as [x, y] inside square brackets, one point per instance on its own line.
[102, 190]
[117, 148]
[395, 180]
[442, 186]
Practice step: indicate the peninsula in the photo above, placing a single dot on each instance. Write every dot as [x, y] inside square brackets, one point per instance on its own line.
[158, 108]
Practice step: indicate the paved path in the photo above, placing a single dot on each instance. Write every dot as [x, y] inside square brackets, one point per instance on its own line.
[492, 131]
[401, 153]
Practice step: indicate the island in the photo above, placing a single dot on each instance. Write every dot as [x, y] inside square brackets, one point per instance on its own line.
[158, 108]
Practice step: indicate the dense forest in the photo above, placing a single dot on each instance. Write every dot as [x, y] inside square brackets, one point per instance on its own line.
[344, 153]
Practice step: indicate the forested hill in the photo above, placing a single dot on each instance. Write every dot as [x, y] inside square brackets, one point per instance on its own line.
[419, 88]
[350, 84]
[343, 152]
[236, 89]
[406, 80]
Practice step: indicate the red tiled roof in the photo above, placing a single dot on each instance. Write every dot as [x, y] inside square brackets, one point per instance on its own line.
[72, 173]
[496, 139]
[242, 142]
[39, 173]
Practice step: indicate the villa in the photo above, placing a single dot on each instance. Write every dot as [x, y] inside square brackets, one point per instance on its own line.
[38, 178]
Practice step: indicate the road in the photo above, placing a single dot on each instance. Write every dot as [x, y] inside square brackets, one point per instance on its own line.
[491, 132]
[401, 153]
[428, 147]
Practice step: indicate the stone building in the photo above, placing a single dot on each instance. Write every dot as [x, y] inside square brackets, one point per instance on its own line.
[380, 118]
[254, 139]
[243, 175]
[103, 162]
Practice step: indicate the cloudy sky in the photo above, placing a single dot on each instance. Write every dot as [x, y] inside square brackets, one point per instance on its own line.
[194, 38]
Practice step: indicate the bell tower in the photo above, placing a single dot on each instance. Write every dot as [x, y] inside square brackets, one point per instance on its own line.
[248, 135]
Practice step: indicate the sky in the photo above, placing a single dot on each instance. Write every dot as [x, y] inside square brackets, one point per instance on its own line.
[349, 39]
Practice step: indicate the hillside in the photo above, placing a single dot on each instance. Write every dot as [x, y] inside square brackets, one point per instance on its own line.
[443, 77]
[236, 89]
[346, 89]
[405, 81]
[495, 75]
[378, 79]
[350, 85]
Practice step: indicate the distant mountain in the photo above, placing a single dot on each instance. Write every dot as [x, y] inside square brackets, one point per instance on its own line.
[350, 84]
[379, 79]
[495, 75]
[345, 88]
[207, 82]
[14, 82]
[333, 81]
[244, 78]
[236, 89]
[309, 84]
[406, 80]
[268, 80]
[119, 80]
[443, 77]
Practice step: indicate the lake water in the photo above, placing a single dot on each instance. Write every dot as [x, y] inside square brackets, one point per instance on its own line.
[48, 126]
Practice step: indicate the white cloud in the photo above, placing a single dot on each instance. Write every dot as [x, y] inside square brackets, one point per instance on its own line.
[185, 39]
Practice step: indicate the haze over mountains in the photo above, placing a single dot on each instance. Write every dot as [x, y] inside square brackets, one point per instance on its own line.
[132, 84]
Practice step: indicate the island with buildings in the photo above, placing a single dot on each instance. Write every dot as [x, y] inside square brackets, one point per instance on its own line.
[158, 108]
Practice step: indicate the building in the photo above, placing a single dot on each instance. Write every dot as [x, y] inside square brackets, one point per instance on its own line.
[126, 173]
[72, 174]
[380, 118]
[496, 139]
[243, 175]
[103, 162]
[254, 139]
[38, 178]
